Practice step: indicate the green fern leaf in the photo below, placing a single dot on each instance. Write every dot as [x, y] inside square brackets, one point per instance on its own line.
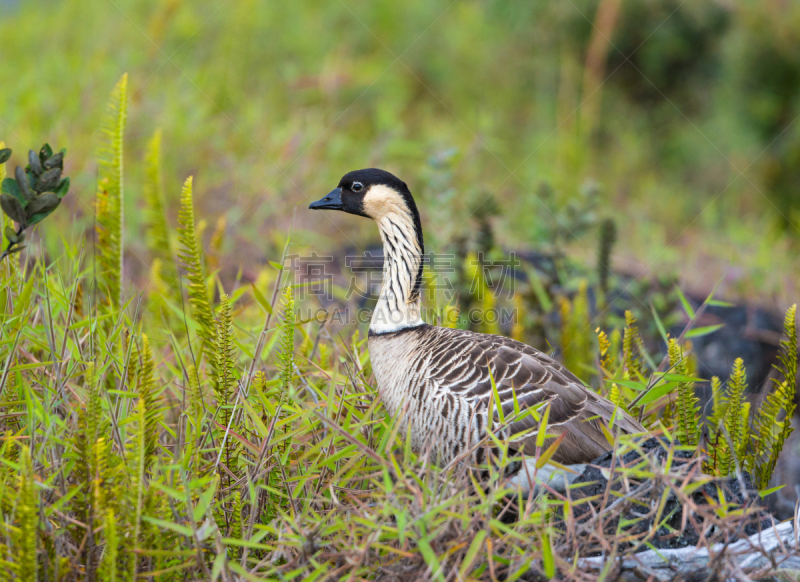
[27, 512]
[147, 395]
[774, 420]
[110, 195]
[225, 356]
[156, 217]
[631, 341]
[688, 428]
[287, 343]
[191, 256]
[731, 437]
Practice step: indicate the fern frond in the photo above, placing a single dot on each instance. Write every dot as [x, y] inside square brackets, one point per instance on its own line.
[788, 355]
[608, 236]
[287, 343]
[27, 512]
[224, 355]
[108, 565]
[576, 340]
[774, 419]
[148, 396]
[215, 244]
[731, 437]
[236, 520]
[156, 218]
[688, 427]
[138, 471]
[195, 394]
[110, 195]
[191, 256]
[631, 348]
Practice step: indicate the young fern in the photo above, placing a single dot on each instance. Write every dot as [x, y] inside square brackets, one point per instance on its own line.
[687, 405]
[110, 195]
[148, 398]
[225, 357]
[191, 256]
[158, 238]
[631, 349]
[731, 435]
[215, 244]
[287, 343]
[108, 565]
[23, 537]
[608, 236]
[773, 423]
[576, 339]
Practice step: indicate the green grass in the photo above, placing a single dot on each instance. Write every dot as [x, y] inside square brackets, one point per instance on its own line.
[196, 429]
[275, 103]
[146, 440]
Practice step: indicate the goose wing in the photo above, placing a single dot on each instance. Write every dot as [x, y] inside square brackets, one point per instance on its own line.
[462, 365]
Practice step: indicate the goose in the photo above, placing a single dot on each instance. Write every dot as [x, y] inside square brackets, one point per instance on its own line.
[437, 381]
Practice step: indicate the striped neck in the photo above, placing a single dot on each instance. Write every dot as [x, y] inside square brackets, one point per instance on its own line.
[399, 302]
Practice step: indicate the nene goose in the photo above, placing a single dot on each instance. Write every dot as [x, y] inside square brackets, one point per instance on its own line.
[439, 378]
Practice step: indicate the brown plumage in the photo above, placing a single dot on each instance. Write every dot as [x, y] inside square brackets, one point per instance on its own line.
[437, 380]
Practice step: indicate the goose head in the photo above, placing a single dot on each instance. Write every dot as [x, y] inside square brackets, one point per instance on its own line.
[372, 193]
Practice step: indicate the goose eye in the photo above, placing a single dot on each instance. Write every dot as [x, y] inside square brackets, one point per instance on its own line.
[357, 187]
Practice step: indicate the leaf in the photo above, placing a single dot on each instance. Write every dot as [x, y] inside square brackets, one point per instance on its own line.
[11, 188]
[679, 377]
[42, 206]
[63, 188]
[545, 457]
[701, 331]
[34, 163]
[48, 180]
[542, 430]
[276, 265]
[659, 325]
[498, 404]
[475, 547]
[5, 154]
[261, 299]
[56, 161]
[206, 498]
[12, 208]
[181, 529]
[11, 234]
[43, 203]
[46, 151]
[763, 493]
[687, 307]
[548, 559]
[24, 185]
[430, 558]
[656, 393]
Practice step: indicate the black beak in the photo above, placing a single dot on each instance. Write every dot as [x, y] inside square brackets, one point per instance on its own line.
[333, 201]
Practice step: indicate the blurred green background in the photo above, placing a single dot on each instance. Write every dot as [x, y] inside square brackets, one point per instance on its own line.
[678, 119]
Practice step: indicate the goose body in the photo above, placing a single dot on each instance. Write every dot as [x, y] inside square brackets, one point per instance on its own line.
[437, 380]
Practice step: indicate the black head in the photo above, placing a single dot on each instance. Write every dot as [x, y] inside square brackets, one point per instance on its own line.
[378, 195]
[361, 192]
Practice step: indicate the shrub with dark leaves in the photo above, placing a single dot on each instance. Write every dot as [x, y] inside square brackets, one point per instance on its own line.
[32, 194]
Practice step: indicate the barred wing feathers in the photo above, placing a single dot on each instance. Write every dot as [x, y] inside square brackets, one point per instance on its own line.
[459, 362]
